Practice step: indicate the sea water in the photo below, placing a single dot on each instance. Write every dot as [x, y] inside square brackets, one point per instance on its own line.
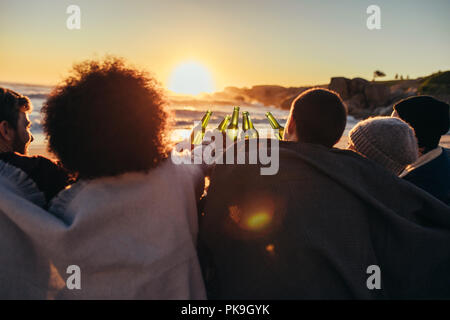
[183, 116]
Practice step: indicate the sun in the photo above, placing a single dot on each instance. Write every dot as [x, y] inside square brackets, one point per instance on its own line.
[191, 77]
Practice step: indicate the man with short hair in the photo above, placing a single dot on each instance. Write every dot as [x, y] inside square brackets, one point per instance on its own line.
[315, 228]
[318, 116]
[24, 273]
[430, 119]
[15, 137]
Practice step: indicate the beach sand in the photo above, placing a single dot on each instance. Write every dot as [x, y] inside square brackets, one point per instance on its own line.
[41, 150]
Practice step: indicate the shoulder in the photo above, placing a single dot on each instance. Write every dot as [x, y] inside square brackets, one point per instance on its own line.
[28, 163]
[59, 204]
[45, 163]
[446, 153]
[439, 164]
[434, 175]
[17, 181]
[183, 165]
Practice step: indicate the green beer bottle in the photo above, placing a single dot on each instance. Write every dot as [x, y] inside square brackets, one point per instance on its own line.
[275, 125]
[199, 131]
[221, 134]
[223, 124]
[247, 125]
[233, 127]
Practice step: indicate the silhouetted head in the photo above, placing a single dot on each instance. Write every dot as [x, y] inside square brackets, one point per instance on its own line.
[106, 119]
[317, 116]
[15, 135]
[428, 116]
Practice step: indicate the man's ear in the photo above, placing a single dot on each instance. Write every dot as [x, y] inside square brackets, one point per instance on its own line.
[6, 131]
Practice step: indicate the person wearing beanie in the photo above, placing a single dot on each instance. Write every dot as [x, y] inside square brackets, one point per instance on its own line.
[430, 119]
[388, 141]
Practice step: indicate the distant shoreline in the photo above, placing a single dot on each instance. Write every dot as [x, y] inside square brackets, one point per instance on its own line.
[41, 150]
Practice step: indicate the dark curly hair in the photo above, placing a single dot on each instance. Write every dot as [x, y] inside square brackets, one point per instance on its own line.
[106, 119]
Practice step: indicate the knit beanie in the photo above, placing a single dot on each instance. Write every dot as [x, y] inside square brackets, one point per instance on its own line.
[428, 116]
[388, 141]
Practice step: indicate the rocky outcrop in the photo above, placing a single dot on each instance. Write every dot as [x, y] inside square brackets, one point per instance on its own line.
[437, 85]
[269, 95]
[363, 98]
[377, 95]
[340, 85]
[357, 85]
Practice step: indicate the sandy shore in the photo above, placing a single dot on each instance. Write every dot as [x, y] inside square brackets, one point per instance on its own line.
[42, 150]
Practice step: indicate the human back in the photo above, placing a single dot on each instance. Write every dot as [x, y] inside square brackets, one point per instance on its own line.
[430, 119]
[129, 219]
[145, 235]
[312, 230]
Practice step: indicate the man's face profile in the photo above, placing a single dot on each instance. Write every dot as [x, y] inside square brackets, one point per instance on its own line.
[23, 136]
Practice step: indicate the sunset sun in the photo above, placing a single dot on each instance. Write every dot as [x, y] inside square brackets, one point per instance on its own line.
[191, 78]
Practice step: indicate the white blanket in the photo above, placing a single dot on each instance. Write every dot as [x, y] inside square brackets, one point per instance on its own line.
[132, 236]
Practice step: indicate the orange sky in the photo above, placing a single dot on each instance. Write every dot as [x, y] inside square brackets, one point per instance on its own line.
[241, 43]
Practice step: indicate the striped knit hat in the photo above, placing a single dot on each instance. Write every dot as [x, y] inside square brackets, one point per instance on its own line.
[391, 142]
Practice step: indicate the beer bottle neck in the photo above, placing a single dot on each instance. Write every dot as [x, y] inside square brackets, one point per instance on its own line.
[205, 119]
[273, 122]
[250, 123]
[245, 122]
[235, 118]
[222, 126]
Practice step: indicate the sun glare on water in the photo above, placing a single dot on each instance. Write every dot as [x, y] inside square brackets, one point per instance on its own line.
[191, 78]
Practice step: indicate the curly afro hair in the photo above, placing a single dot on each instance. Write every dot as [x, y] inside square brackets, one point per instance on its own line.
[106, 119]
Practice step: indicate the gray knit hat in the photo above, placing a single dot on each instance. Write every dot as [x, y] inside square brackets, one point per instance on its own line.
[388, 141]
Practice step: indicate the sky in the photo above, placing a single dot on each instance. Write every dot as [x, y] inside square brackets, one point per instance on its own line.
[241, 43]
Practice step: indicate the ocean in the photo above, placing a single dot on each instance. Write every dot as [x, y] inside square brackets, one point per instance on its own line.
[183, 116]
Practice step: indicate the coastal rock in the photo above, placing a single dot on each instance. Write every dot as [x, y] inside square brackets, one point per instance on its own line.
[363, 98]
[356, 102]
[269, 95]
[377, 95]
[397, 94]
[340, 85]
[384, 111]
[357, 85]
[286, 104]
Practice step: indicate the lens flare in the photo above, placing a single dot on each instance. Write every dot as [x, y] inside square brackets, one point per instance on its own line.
[258, 221]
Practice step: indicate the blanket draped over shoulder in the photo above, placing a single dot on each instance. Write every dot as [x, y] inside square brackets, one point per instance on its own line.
[132, 236]
[319, 228]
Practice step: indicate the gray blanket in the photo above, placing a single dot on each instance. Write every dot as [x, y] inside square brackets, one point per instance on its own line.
[132, 236]
[314, 230]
